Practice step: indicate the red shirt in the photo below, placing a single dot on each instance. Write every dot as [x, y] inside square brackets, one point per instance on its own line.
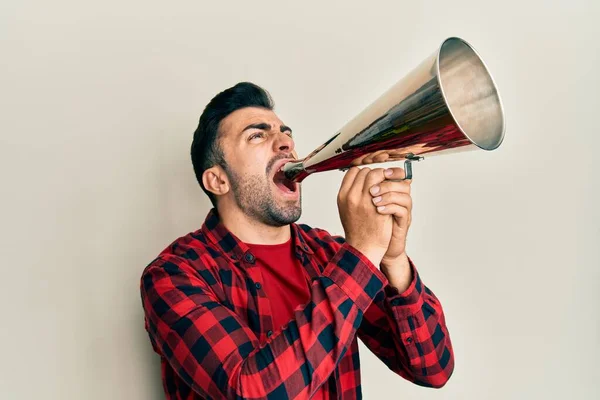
[286, 284]
[209, 319]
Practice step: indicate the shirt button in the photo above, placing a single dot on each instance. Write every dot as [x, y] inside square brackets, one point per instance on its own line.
[409, 340]
[269, 333]
[249, 257]
[395, 302]
[258, 285]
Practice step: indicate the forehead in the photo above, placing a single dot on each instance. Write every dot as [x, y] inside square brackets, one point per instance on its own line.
[235, 122]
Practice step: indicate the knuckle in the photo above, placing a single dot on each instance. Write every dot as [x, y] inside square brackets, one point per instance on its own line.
[388, 197]
[375, 175]
[386, 186]
[402, 187]
[353, 201]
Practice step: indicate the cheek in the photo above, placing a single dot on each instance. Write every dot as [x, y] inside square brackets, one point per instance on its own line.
[252, 160]
[255, 167]
[249, 159]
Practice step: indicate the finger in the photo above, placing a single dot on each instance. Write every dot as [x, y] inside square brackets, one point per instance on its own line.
[400, 213]
[396, 173]
[375, 177]
[396, 210]
[401, 199]
[391, 186]
[359, 181]
[348, 180]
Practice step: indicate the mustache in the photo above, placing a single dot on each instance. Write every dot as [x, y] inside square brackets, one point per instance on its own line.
[274, 160]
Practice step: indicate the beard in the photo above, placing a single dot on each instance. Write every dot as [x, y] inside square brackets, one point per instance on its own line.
[254, 196]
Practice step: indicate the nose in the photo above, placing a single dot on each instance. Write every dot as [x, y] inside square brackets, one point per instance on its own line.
[283, 143]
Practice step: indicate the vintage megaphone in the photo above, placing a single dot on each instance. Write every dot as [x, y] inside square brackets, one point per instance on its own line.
[448, 104]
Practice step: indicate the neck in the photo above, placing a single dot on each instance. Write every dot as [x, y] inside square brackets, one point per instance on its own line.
[249, 230]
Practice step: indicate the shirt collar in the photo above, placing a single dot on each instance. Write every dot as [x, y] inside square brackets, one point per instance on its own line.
[237, 250]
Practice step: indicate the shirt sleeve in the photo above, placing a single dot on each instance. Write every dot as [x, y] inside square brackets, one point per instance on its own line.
[220, 357]
[408, 332]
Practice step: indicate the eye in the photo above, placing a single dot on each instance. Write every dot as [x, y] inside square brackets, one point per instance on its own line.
[256, 135]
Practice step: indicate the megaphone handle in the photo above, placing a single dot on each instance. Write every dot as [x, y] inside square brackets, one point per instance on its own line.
[408, 166]
[407, 170]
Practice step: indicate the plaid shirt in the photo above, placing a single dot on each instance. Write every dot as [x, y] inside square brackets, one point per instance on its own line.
[209, 319]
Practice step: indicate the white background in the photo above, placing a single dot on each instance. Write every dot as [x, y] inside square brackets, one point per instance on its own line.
[99, 101]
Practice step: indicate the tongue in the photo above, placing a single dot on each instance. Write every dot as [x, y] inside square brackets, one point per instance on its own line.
[282, 187]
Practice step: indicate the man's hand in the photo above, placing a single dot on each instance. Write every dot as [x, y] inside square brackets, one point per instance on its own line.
[392, 197]
[366, 229]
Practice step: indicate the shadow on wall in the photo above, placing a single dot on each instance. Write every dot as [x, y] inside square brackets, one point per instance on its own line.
[180, 207]
[151, 362]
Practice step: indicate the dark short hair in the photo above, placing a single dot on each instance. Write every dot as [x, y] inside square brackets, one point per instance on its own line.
[206, 150]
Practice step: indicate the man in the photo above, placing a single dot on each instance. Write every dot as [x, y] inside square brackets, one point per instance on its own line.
[255, 306]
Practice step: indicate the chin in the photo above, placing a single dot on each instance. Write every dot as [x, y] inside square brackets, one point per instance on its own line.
[286, 214]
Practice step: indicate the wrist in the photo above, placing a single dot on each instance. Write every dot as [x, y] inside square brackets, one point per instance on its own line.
[374, 254]
[393, 262]
[398, 272]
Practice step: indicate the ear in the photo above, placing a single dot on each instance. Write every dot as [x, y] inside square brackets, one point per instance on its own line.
[215, 180]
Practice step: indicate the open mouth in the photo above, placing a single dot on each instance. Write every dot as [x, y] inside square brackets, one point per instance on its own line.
[283, 183]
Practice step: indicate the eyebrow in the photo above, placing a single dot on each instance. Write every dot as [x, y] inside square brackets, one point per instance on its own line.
[266, 127]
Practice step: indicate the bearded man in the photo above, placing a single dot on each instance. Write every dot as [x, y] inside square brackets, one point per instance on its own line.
[254, 306]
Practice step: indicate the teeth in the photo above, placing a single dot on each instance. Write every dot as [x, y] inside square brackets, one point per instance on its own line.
[283, 165]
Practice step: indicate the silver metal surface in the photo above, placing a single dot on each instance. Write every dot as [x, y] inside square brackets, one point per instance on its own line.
[448, 104]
